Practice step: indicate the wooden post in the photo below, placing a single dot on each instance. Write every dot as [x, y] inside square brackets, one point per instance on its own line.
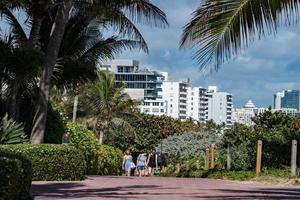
[206, 160]
[178, 168]
[228, 157]
[258, 158]
[294, 159]
[212, 163]
[197, 165]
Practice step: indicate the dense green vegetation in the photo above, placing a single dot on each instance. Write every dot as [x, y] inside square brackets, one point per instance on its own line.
[51, 162]
[148, 131]
[16, 175]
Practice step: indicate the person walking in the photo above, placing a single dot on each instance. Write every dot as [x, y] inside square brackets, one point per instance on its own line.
[152, 162]
[141, 163]
[127, 162]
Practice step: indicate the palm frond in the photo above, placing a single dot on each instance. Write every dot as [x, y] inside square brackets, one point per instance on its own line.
[18, 32]
[220, 29]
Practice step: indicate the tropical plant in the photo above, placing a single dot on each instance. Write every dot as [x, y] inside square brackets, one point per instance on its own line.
[107, 103]
[11, 132]
[220, 29]
[51, 22]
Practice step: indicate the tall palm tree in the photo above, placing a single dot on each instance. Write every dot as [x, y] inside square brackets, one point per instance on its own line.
[139, 11]
[106, 103]
[220, 29]
[83, 46]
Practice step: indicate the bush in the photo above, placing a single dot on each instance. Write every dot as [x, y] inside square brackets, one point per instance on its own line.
[52, 162]
[16, 174]
[110, 160]
[188, 144]
[86, 141]
[55, 126]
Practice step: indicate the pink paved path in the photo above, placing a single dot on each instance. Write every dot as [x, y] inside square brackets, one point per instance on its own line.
[97, 187]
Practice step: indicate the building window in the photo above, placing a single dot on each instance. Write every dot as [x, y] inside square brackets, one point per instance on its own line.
[155, 104]
[162, 110]
[162, 104]
[171, 105]
[155, 110]
[192, 93]
[192, 103]
[192, 108]
[146, 110]
[146, 103]
[192, 98]
[171, 99]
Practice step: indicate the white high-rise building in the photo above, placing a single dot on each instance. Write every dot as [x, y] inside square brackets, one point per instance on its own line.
[196, 103]
[219, 107]
[175, 96]
[277, 100]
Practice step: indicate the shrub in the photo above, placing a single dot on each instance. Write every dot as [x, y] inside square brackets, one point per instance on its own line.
[55, 126]
[11, 132]
[110, 160]
[52, 161]
[16, 174]
[86, 141]
[188, 144]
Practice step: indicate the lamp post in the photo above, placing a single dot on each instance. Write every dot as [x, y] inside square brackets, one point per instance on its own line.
[66, 138]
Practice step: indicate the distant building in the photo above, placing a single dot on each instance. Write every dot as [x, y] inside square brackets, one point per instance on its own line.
[219, 106]
[277, 100]
[175, 94]
[141, 84]
[244, 115]
[196, 103]
[291, 99]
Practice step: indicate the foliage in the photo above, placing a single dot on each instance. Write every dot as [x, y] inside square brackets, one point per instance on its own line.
[51, 162]
[106, 103]
[110, 160]
[87, 142]
[80, 45]
[16, 174]
[219, 30]
[11, 132]
[100, 159]
[149, 130]
[189, 144]
[55, 125]
[275, 129]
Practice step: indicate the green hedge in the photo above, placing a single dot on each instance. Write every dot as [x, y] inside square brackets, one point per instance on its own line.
[52, 161]
[16, 174]
[86, 141]
[110, 160]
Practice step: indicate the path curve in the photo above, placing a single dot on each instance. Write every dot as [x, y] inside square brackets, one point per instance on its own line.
[152, 188]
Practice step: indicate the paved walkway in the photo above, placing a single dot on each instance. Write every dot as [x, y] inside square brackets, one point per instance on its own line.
[96, 187]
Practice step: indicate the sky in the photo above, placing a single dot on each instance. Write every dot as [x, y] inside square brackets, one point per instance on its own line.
[266, 67]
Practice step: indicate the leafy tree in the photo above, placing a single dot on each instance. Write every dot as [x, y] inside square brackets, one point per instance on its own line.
[106, 103]
[149, 130]
[219, 30]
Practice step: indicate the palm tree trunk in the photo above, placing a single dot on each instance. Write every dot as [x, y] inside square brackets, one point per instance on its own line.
[75, 106]
[35, 30]
[13, 102]
[102, 128]
[57, 32]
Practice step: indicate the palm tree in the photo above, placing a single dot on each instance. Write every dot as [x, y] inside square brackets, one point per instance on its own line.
[220, 29]
[114, 12]
[106, 103]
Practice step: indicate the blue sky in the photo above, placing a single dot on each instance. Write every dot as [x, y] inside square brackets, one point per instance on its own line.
[268, 66]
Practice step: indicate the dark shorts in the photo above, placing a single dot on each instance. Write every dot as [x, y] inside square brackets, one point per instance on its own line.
[140, 167]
